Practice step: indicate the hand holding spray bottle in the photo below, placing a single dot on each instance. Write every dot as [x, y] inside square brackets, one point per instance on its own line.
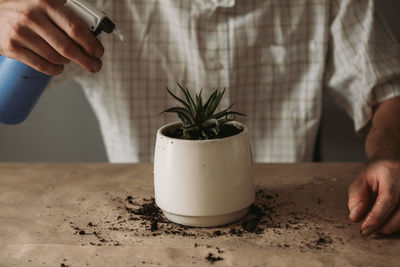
[21, 86]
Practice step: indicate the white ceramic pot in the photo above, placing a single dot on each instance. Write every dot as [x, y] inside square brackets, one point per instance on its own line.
[203, 182]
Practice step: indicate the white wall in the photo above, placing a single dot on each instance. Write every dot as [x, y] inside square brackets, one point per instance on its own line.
[63, 128]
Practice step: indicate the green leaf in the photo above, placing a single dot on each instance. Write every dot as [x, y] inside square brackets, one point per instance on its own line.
[215, 130]
[191, 127]
[189, 100]
[236, 113]
[226, 112]
[177, 98]
[184, 120]
[222, 121]
[210, 122]
[180, 111]
[215, 103]
[199, 107]
[209, 101]
[222, 113]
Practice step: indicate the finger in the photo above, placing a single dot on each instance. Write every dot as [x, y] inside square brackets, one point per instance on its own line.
[392, 225]
[359, 199]
[29, 58]
[63, 44]
[388, 197]
[76, 29]
[35, 43]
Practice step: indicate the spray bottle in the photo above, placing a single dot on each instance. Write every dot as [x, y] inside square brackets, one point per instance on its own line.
[21, 86]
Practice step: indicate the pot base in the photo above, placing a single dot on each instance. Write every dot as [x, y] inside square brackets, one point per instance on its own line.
[205, 221]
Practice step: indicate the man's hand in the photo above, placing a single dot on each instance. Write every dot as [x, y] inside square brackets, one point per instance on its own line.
[376, 194]
[45, 35]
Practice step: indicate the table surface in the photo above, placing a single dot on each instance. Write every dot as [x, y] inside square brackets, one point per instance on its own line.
[97, 215]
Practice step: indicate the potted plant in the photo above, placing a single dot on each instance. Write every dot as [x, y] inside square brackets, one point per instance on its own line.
[203, 165]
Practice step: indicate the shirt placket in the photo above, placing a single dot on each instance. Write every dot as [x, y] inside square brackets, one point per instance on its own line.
[217, 52]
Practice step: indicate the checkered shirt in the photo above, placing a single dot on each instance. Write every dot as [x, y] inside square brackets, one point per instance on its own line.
[275, 57]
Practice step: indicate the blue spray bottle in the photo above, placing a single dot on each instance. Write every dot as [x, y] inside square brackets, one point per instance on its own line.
[21, 86]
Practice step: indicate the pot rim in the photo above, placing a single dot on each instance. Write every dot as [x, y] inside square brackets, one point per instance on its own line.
[236, 123]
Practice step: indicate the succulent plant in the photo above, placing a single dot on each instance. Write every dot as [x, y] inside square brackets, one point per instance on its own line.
[200, 121]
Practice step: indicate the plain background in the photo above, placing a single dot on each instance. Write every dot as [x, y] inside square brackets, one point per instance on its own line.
[63, 128]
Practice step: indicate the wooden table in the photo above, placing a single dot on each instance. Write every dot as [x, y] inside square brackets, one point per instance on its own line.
[92, 215]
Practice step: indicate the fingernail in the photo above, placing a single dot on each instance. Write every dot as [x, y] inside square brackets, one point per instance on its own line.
[100, 52]
[367, 231]
[96, 67]
[354, 211]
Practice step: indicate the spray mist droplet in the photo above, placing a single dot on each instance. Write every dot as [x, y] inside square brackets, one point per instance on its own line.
[119, 34]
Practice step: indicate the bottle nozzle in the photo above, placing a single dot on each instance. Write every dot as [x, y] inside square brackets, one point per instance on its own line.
[107, 25]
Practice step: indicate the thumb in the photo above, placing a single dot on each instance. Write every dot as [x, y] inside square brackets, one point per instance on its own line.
[359, 199]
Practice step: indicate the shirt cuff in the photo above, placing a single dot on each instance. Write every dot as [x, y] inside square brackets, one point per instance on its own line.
[363, 112]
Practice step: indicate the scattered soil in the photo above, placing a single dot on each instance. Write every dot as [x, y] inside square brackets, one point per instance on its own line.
[254, 217]
[211, 258]
[226, 130]
[320, 243]
[272, 214]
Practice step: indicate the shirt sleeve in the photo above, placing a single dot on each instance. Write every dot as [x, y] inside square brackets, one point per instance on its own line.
[363, 67]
